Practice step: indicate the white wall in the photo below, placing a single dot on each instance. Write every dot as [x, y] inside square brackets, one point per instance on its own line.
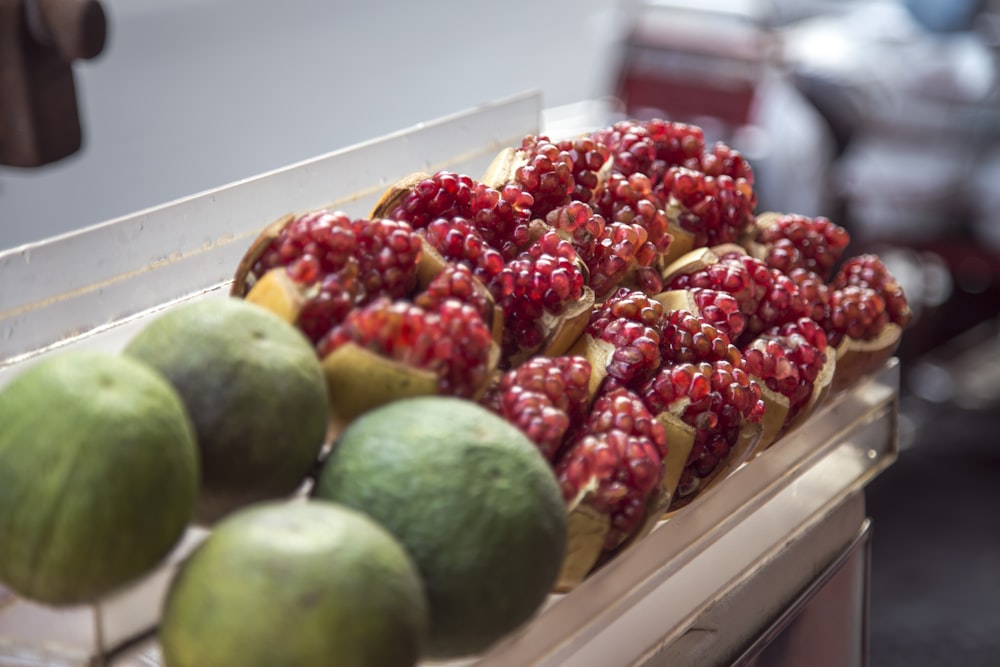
[193, 94]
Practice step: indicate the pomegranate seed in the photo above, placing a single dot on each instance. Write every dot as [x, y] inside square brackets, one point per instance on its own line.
[343, 262]
[629, 320]
[543, 278]
[716, 209]
[622, 470]
[797, 241]
[543, 397]
[451, 340]
[868, 270]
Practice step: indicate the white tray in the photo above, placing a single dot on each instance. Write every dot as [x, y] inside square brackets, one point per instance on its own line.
[95, 287]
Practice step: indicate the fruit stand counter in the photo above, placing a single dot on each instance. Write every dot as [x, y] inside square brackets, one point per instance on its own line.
[768, 567]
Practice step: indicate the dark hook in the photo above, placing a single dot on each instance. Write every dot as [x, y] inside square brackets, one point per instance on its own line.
[39, 41]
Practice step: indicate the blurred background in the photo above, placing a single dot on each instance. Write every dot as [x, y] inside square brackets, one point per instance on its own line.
[883, 115]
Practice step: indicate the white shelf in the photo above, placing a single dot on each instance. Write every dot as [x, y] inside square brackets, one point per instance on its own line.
[96, 286]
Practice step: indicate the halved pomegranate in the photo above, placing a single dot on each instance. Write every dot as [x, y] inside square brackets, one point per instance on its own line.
[868, 312]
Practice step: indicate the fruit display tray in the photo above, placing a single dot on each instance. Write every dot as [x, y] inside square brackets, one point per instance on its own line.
[772, 525]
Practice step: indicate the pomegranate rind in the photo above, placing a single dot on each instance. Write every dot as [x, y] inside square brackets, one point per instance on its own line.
[561, 331]
[775, 415]
[503, 167]
[565, 329]
[683, 242]
[395, 193]
[587, 530]
[598, 353]
[432, 263]
[278, 293]
[244, 279]
[698, 259]
[857, 359]
[741, 451]
[762, 222]
[677, 299]
[680, 442]
[359, 380]
[822, 387]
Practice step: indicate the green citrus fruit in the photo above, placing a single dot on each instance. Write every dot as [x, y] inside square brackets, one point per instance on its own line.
[255, 390]
[473, 502]
[307, 584]
[98, 475]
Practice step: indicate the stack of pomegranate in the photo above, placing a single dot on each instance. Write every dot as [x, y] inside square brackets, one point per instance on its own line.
[616, 296]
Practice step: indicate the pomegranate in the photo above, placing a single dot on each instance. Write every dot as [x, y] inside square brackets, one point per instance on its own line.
[501, 216]
[544, 299]
[457, 240]
[793, 360]
[389, 349]
[651, 147]
[611, 474]
[622, 338]
[868, 312]
[868, 270]
[613, 295]
[554, 173]
[455, 281]
[543, 397]
[766, 297]
[328, 264]
[791, 241]
[725, 407]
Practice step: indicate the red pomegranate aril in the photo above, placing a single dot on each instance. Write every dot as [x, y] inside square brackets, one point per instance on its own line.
[548, 174]
[330, 304]
[326, 238]
[545, 278]
[856, 312]
[798, 241]
[588, 158]
[536, 416]
[620, 471]
[721, 310]
[631, 145]
[679, 387]
[455, 281]
[782, 303]
[452, 341]
[500, 216]
[631, 200]
[624, 410]
[629, 320]
[387, 252]
[675, 144]
[579, 222]
[868, 270]
[814, 292]
[724, 160]
[767, 360]
[715, 209]
[459, 241]
[543, 397]
[442, 195]
[686, 337]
